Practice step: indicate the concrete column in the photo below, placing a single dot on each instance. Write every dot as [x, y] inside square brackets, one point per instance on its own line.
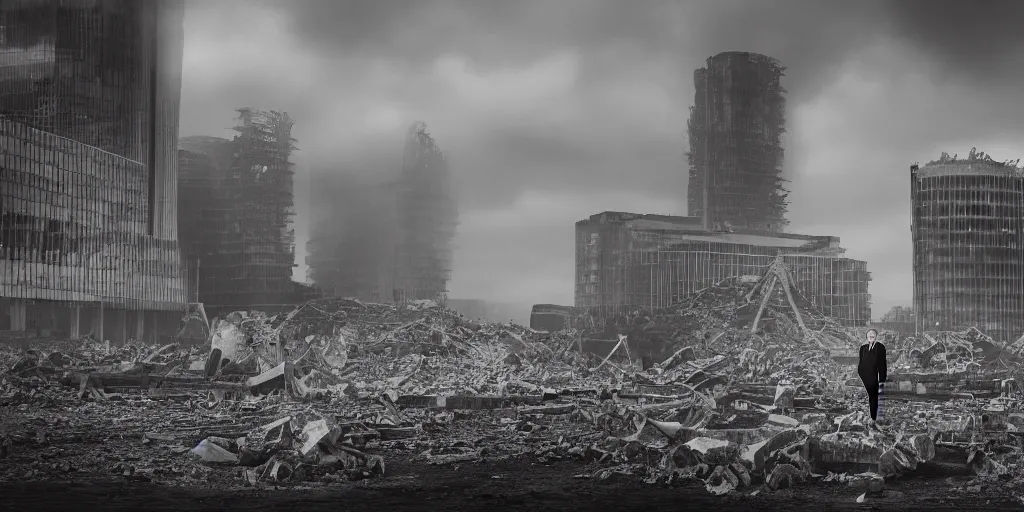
[18, 309]
[98, 323]
[140, 326]
[74, 322]
[120, 326]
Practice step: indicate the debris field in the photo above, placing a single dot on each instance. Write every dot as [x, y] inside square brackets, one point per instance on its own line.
[740, 387]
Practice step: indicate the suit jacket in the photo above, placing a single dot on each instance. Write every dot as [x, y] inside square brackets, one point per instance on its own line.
[872, 366]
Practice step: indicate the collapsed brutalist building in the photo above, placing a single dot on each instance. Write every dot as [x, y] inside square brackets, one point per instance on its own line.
[628, 261]
[89, 99]
[968, 245]
[235, 207]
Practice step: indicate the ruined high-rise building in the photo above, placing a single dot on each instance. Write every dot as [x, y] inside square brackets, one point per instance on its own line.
[89, 100]
[967, 226]
[735, 131]
[377, 238]
[427, 219]
[236, 208]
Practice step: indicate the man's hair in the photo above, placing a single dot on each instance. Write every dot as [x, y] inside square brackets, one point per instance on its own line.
[870, 331]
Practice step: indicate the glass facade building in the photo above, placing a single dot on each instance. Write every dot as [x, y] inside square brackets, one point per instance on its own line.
[89, 99]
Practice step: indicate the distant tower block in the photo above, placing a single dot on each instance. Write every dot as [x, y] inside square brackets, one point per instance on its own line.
[968, 245]
[736, 155]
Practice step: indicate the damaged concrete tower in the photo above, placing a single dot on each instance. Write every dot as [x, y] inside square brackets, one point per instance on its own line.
[89, 96]
[968, 245]
[236, 208]
[427, 219]
[735, 131]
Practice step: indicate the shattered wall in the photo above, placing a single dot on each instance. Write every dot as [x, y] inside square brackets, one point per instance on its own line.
[352, 242]
[427, 219]
[968, 237]
[236, 203]
[89, 95]
[628, 261]
[735, 133]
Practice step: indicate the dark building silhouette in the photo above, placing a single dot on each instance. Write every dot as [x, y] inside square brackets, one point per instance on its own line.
[968, 238]
[736, 154]
[89, 100]
[352, 239]
[236, 205]
[427, 219]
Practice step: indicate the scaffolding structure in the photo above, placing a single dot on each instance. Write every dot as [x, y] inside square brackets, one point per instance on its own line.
[627, 261]
[89, 95]
[236, 205]
[968, 245]
[427, 220]
[735, 133]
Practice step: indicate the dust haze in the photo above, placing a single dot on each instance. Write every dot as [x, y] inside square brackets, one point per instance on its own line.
[553, 112]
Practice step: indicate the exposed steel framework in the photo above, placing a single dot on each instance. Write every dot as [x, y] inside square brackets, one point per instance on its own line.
[736, 154]
[626, 261]
[89, 98]
[967, 229]
[236, 205]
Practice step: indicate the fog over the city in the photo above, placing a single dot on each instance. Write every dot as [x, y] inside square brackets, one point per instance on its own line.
[556, 110]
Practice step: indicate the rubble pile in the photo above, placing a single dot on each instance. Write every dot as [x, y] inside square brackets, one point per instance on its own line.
[750, 389]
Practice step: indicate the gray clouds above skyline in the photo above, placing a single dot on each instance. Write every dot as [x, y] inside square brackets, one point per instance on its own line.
[555, 110]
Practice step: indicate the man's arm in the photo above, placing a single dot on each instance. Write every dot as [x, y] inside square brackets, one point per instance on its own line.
[883, 368]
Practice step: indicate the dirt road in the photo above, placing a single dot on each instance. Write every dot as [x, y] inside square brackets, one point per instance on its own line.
[494, 486]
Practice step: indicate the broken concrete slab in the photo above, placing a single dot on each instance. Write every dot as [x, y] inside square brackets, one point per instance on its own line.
[269, 381]
[785, 396]
[784, 476]
[783, 421]
[214, 454]
[722, 481]
[713, 452]
[755, 455]
[315, 432]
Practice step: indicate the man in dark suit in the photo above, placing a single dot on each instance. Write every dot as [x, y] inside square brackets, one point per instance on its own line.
[872, 370]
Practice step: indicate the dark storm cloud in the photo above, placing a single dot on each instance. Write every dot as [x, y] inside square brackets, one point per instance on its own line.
[812, 37]
[977, 39]
[581, 105]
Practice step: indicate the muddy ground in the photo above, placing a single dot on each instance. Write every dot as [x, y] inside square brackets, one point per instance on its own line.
[513, 485]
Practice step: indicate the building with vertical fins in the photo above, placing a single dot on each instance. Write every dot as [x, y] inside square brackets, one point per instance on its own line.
[735, 130]
[967, 226]
[89, 100]
[236, 206]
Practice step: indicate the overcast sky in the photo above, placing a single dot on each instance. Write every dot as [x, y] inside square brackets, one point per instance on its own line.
[558, 109]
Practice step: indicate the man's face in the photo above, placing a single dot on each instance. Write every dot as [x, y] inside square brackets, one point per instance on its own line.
[871, 336]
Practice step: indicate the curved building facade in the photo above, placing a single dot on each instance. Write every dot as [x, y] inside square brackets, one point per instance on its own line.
[968, 228]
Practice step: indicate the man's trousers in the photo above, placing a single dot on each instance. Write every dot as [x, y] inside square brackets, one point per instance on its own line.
[872, 388]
